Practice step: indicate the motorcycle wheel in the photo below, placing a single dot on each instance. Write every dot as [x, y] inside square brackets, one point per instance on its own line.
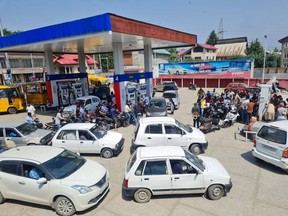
[225, 124]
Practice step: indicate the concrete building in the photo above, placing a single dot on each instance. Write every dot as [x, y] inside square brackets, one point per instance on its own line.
[201, 52]
[231, 47]
[284, 52]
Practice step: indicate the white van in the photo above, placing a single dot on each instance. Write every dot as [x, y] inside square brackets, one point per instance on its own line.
[165, 170]
[271, 144]
[167, 131]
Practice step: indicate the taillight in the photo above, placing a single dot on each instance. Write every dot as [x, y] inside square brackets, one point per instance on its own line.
[125, 183]
[254, 142]
[285, 153]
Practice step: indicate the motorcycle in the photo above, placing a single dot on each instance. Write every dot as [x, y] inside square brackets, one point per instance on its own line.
[230, 118]
[37, 123]
[51, 125]
[122, 120]
[210, 124]
[103, 122]
[192, 86]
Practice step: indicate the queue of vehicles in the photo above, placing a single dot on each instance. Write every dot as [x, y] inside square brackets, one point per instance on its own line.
[159, 144]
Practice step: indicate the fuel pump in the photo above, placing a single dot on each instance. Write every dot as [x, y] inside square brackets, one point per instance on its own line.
[77, 90]
[141, 91]
[64, 94]
[130, 92]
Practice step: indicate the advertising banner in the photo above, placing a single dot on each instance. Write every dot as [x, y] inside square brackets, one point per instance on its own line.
[233, 68]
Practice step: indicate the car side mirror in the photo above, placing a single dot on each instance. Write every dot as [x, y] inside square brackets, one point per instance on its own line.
[42, 180]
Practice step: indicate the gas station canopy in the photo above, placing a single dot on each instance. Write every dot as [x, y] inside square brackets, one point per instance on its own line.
[96, 35]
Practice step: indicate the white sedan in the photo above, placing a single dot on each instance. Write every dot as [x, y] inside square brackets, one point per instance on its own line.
[90, 103]
[53, 177]
[88, 138]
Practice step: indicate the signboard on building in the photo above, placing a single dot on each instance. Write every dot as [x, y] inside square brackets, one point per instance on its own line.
[233, 68]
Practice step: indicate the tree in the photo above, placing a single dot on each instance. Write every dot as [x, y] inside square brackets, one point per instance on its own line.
[212, 39]
[173, 55]
[256, 51]
[8, 32]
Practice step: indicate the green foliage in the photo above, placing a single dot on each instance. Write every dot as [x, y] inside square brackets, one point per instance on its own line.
[106, 61]
[256, 51]
[212, 39]
[173, 55]
[8, 32]
[237, 57]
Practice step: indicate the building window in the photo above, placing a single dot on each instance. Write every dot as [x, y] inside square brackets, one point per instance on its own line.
[197, 58]
[14, 63]
[26, 63]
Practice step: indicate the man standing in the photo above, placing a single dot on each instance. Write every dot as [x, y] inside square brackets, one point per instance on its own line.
[31, 109]
[196, 115]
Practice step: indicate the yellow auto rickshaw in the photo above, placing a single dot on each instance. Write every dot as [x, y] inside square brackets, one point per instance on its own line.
[36, 93]
[11, 99]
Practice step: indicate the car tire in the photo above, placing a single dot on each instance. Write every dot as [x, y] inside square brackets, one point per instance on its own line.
[215, 192]
[177, 72]
[142, 195]
[195, 149]
[2, 199]
[64, 206]
[107, 153]
[12, 110]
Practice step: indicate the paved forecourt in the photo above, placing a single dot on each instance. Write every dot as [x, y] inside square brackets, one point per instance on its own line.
[258, 188]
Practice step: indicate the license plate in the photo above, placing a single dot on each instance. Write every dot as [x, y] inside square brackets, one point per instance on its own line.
[269, 148]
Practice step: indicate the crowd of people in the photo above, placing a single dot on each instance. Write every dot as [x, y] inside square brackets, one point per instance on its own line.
[246, 103]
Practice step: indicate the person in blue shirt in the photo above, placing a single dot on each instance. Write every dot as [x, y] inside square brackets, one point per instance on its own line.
[29, 118]
[35, 173]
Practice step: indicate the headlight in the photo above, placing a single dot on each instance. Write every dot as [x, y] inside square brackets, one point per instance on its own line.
[82, 189]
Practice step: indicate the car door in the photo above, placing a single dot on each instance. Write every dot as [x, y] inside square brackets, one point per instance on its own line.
[15, 136]
[153, 174]
[9, 179]
[89, 105]
[29, 188]
[175, 136]
[95, 103]
[185, 182]
[153, 135]
[68, 140]
[87, 142]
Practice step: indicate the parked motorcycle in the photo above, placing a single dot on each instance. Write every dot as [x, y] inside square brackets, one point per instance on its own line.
[210, 124]
[122, 120]
[37, 123]
[230, 118]
[51, 125]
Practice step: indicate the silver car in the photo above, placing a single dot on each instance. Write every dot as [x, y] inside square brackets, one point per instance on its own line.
[24, 134]
[175, 97]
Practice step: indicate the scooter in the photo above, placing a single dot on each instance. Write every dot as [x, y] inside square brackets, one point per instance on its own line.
[230, 118]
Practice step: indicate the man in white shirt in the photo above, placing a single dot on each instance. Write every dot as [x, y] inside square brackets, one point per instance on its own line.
[31, 109]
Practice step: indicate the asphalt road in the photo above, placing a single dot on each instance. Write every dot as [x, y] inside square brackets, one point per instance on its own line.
[258, 188]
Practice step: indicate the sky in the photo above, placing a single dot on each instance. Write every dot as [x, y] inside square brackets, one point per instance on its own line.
[246, 18]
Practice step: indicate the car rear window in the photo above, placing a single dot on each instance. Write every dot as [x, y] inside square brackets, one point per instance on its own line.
[273, 134]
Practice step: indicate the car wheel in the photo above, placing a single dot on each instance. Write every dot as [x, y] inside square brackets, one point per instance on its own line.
[107, 153]
[177, 72]
[64, 206]
[142, 195]
[195, 149]
[2, 199]
[215, 192]
[12, 110]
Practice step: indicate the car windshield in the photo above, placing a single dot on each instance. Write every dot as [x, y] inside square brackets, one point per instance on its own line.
[64, 164]
[98, 132]
[26, 128]
[195, 160]
[183, 126]
[131, 161]
[81, 101]
[169, 95]
[157, 104]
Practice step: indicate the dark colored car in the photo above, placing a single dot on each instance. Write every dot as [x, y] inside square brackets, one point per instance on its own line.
[240, 87]
[157, 107]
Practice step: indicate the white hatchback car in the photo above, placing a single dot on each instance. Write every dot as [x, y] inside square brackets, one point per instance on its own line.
[53, 177]
[165, 170]
[167, 131]
[89, 138]
[271, 144]
[175, 97]
[90, 103]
